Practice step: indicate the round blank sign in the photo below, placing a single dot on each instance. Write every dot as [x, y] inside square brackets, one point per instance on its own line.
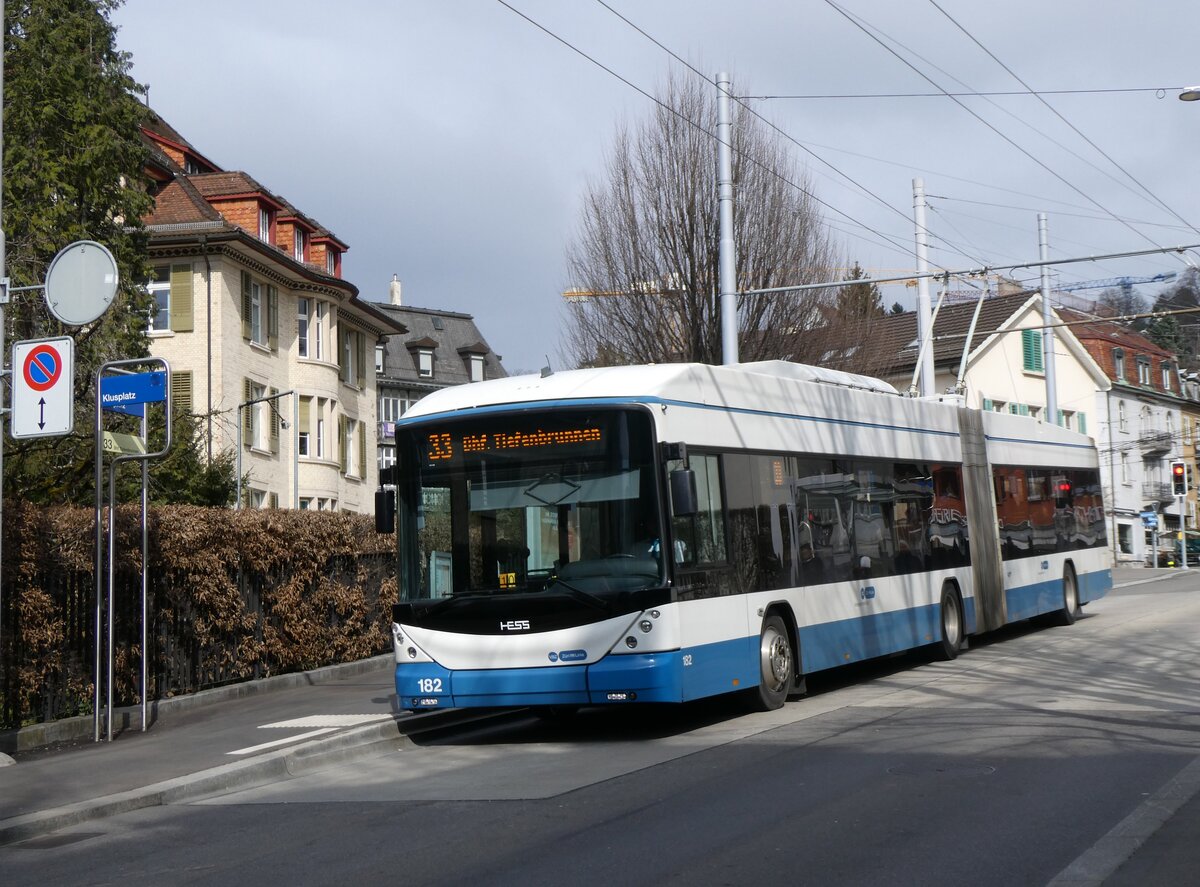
[81, 282]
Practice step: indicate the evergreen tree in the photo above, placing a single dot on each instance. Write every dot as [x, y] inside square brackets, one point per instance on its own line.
[897, 308]
[859, 300]
[73, 170]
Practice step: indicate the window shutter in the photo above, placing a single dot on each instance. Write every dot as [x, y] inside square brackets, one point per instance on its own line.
[273, 500]
[340, 345]
[342, 442]
[1031, 346]
[362, 450]
[273, 406]
[360, 359]
[181, 392]
[272, 318]
[247, 419]
[305, 405]
[987, 405]
[1081, 422]
[246, 307]
[181, 299]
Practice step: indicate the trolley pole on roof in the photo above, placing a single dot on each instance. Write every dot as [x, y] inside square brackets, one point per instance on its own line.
[924, 319]
[727, 256]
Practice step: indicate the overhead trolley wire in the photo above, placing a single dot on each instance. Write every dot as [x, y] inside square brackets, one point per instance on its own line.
[1154, 197]
[693, 123]
[858, 24]
[863, 188]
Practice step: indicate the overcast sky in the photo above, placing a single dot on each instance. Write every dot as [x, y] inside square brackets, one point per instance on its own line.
[449, 141]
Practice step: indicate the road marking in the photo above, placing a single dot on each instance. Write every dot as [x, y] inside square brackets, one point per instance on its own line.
[326, 721]
[278, 742]
[1123, 840]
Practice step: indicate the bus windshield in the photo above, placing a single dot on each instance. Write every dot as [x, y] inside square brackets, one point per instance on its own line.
[556, 501]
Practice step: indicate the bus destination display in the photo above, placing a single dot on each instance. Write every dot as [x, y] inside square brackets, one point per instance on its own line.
[444, 447]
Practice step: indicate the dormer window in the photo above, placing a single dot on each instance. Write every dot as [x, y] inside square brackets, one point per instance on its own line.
[299, 245]
[331, 261]
[264, 224]
[425, 363]
[1119, 363]
[476, 362]
[1166, 376]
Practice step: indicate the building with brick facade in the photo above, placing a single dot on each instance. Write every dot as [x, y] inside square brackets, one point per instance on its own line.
[269, 346]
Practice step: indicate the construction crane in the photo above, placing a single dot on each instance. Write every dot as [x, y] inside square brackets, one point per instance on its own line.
[1125, 283]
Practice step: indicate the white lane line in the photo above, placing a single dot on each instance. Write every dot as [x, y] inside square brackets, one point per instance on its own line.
[252, 749]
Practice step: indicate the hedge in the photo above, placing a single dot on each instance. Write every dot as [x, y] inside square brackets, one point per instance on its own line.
[233, 595]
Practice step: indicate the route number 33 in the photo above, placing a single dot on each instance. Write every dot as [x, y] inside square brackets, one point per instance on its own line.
[429, 685]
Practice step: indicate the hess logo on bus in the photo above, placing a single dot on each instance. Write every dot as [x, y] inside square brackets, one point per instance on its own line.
[515, 625]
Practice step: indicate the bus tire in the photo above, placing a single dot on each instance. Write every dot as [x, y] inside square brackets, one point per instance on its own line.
[1070, 599]
[776, 665]
[951, 612]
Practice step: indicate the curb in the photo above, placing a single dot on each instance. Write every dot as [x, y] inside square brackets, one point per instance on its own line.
[82, 727]
[349, 745]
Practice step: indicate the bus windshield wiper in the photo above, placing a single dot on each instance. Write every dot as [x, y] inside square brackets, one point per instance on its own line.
[580, 594]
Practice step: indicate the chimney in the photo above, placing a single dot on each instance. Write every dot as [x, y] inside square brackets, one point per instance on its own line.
[395, 290]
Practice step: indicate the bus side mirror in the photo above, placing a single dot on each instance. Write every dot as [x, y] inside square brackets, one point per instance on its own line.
[385, 511]
[683, 492]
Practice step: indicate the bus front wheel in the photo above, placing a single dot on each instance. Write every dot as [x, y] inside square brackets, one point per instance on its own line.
[952, 625]
[776, 665]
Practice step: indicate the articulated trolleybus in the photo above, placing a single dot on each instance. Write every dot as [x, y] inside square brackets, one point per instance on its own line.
[665, 533]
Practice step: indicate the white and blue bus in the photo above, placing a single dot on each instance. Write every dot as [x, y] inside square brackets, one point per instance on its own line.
[665, 533]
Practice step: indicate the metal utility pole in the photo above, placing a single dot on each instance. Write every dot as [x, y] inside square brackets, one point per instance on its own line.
[1047, 326]
[924, 318]
[727, 256]
[3, 348]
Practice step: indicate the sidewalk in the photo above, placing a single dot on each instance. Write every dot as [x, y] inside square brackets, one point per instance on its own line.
[315, 719]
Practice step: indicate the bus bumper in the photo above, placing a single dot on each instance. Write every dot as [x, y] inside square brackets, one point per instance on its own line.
[646, 677]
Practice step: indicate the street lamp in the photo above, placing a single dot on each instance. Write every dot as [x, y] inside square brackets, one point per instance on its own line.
[1191, 94]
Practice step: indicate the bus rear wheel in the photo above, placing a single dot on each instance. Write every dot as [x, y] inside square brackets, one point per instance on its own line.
[1070, 597]
[776, 665]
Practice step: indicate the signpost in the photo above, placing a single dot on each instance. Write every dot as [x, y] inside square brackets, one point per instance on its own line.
[43, 387]
[119, 390]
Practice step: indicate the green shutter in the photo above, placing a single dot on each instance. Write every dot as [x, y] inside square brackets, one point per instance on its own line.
[305, 405]
[988, 406]
[1081, 422]
[342, 456]
[362, 450]
[339, 343]
[247, 423]
[360, 359]
[181, 392]
[273, 406]
[246, 305]
[1031, 348]
[272, 318]
[181, 299]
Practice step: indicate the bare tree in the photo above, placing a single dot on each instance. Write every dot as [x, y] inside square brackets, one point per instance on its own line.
[644, 260]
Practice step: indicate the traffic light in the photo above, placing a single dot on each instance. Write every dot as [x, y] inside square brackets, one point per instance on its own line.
[1179, 485]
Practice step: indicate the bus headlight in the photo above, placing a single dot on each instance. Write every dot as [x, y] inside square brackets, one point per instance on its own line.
[631, 642]
[412, 652]
[645, 625]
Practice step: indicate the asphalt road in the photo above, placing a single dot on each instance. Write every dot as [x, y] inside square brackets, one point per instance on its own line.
[1003, 767]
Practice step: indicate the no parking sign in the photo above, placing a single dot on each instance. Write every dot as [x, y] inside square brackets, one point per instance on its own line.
[43, 387]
